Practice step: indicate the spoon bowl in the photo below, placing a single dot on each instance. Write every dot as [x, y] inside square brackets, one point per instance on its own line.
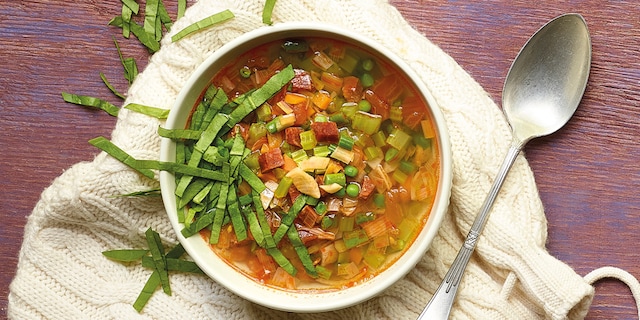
[541, 93]
[544, 87]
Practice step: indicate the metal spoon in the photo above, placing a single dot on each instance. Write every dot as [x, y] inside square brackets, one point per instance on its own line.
[541, 92]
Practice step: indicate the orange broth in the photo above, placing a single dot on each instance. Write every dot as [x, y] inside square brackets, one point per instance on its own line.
[389, 156]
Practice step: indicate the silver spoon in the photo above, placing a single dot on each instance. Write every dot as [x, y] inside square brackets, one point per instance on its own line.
[541, 92]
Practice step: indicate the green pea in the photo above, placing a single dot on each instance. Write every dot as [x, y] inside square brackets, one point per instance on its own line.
[364, 105]
[367, 80]
[353, 190]
[350, 171]
[367, 64]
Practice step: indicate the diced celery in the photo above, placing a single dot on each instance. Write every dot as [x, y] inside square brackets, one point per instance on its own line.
[399, 139]
[400, 176]
[308, 140]
[343, 155]
[324, 273]
[407, 167]
[354, 238]
[299, 155]
[257, 130]
[407, 229]
[283, 187]
[363, 217]
[379, 139]
[264, 112]
[346, 224]
[326, 222]
[366, 122]
[321, 151]
[395, 113]
[373, 153]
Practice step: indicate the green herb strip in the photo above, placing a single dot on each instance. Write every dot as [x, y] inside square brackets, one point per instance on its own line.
[203, 24]
[88, 101]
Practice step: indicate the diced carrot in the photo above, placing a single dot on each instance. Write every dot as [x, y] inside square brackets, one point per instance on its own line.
[413, 111]
[300, 111]
[351, 89]
[388, 88]
[337, 51]
[379, 226]
[266, 260]
[275, 139]
[332, 83]
[378, 105]
[427, 129]
[333, 167]
[356, 254]
[289, 164]
[294, 98]
[321, 99]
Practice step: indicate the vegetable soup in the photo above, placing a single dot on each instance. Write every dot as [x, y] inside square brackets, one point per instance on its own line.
[328, 164]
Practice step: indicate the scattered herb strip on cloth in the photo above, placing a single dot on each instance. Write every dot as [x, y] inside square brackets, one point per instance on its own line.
[330, 163]
[154, 259]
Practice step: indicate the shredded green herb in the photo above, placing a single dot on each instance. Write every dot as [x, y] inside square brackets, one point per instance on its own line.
[113, 90]
[203, 24]
[147, 110]
[268, 11]
[88, 101]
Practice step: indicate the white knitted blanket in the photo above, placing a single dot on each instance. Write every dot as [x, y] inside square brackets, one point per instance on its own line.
[63, 275]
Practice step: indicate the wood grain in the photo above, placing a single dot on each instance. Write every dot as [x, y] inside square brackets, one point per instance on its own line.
[587, 174]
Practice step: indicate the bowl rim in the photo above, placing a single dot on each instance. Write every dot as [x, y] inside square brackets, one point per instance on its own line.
[295, 301]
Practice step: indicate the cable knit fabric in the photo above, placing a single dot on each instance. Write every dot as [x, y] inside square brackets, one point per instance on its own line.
[63, 275]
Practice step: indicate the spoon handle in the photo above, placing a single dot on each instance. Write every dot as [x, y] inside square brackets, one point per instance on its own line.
[440, 304]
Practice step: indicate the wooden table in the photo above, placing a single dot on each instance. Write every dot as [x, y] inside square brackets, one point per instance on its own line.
[588, 174]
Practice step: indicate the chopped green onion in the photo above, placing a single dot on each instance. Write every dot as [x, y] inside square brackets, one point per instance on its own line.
[338, 178]
[245, 72]
[345, 142]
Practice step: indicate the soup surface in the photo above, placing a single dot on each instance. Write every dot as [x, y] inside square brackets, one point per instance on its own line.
[328, 164]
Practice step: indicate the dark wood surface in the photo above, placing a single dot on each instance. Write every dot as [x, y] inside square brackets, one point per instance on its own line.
[588, 174]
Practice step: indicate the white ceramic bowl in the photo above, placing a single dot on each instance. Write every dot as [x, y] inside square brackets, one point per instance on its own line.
[219, 270]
